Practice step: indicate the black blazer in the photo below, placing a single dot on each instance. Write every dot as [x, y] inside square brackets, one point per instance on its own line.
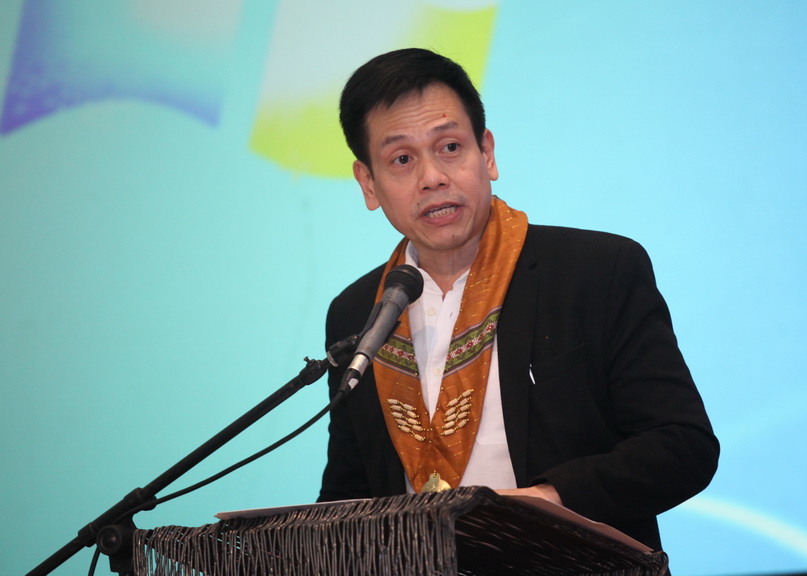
[613, 419]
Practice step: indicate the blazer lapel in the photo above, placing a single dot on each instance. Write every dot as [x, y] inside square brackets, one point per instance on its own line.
[515, 335]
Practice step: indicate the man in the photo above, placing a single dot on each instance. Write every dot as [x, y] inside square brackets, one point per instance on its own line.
[538, 360]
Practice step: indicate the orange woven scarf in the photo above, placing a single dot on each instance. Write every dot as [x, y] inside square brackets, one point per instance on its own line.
[443, 445]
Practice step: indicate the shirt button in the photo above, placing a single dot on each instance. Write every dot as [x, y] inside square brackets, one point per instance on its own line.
[437, 371]
[431, 311]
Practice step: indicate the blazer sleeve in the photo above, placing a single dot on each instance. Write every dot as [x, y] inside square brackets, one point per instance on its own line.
[663, 450]
[362, 461]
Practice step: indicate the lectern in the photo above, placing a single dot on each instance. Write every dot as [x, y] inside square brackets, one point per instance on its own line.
[467, 531]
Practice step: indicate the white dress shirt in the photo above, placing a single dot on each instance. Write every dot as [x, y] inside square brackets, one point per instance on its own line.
[432, 318]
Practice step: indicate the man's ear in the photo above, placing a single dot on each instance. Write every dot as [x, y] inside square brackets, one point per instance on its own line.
[490, 158]
[363, 175]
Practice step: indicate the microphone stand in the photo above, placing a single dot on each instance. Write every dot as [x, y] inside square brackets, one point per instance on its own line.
[112, 530]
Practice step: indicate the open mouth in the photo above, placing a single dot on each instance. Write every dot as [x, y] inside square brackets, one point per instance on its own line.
[441, 211]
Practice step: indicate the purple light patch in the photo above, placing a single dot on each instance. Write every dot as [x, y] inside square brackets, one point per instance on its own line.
[69, 55]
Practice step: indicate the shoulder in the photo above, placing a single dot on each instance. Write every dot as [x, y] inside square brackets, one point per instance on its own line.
[569, 247]
[363, 288]
[562, 238]
[349, 311]
[584, 259]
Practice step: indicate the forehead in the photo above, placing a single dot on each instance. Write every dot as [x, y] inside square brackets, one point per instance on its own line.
[416, 112]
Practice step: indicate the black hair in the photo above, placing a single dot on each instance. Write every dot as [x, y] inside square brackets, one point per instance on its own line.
[386, 78]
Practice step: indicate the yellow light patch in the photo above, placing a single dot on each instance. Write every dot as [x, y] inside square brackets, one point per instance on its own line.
[303, 135]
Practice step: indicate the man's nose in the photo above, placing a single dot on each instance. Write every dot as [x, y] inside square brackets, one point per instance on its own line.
[432, 174]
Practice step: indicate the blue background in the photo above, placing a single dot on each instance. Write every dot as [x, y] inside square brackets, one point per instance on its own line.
[158, 278]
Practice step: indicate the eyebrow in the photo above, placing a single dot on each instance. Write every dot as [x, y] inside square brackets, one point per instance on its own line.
[398, 137]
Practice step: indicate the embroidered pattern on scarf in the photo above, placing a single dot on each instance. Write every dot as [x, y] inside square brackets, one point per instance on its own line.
[443, 445]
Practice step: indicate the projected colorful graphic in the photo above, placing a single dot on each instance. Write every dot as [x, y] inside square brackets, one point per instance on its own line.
[177, 211]
[297, 122]
[70, 54]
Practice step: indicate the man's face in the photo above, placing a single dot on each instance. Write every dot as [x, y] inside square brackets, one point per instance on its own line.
[429, 175]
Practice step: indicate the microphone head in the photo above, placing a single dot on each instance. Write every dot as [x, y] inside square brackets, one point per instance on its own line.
[406, 277]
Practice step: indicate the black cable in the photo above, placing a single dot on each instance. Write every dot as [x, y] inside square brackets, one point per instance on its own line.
[153, 503]
[337, 398]
[94, 561]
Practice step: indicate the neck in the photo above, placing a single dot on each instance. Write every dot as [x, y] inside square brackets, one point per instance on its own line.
[445, 268]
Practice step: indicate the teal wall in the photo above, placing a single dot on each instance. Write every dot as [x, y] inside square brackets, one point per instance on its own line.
[172, 229]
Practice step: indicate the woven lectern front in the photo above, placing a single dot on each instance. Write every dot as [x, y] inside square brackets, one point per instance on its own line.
[466, 531]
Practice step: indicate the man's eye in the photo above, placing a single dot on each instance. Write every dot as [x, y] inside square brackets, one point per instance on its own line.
[403, 159]
[452, 146]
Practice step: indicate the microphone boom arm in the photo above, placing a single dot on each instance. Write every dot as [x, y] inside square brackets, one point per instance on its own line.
[139, 498]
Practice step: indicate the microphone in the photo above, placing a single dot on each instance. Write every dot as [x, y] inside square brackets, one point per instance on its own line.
[402, 286]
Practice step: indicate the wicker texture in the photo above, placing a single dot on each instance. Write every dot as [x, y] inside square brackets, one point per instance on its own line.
[466, 531]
